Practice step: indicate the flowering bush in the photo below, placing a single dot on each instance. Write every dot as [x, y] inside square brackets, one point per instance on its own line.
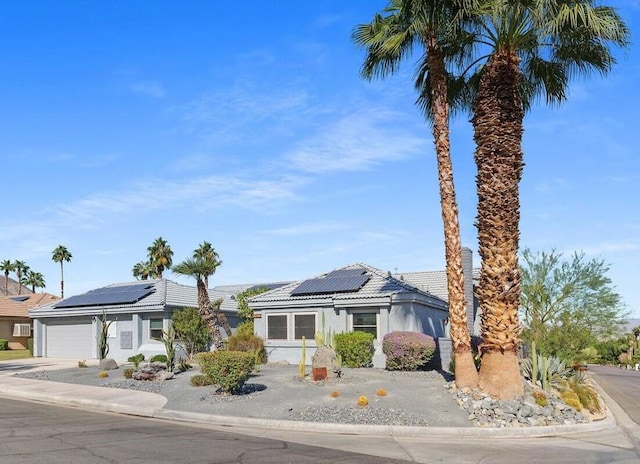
[408, 351]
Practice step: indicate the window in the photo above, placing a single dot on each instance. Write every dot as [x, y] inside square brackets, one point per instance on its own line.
[365, 322]
[155, 329]
[22, 330]
[304, 326]
[277, 327]
[291, 326]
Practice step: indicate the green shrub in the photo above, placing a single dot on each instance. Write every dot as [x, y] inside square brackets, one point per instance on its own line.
[158, 358]
[103, 374]
[248, 343]
[136, 359]
[4, 344]
[245, 328]
[128, 372]
[192, 330]
[354, 348]
[200, 380]
[227, 369]
[408, 351]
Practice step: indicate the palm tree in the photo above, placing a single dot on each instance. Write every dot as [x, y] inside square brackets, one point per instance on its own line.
[388, 40]
[196, 268]
[20, 267]
[160, 256]
[34, 280]
[59, 255]
[207, 254]
[6, 266]
[144, 270]
[534, 47]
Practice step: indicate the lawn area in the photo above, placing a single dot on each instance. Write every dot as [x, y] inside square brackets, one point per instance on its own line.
[6, 355]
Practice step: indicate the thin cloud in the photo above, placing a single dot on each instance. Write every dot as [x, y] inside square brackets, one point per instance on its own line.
[308, 229]
[148, 88]
[605, 248]
[358, 141]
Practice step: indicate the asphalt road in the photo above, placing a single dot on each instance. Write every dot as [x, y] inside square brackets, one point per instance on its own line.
[35, 433]
[623, 386]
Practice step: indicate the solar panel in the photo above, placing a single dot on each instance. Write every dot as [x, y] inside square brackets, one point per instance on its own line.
[19, 298]
[120, 294]
[331, 285]
[346, 272]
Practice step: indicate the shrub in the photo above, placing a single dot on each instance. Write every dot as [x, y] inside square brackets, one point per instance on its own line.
[354, 348]
[82, 364]
[335, 394]
[245, 328]
[103, 374]
[4, 344]
[128, 372]
[158, 358]
[381, 392]
[249, 344]
[363, 401]
[408, 351]
[192, 330]
[200, 380]
[540, 398]
[136, 359]
[587, 396]
[571, 399]
[227, 369]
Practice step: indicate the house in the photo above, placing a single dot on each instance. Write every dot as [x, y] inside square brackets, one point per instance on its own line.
[15, 324]
[140, 311]
[435, 282]
[355, 297]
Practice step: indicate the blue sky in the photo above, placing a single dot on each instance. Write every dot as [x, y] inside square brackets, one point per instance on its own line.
[250, 128]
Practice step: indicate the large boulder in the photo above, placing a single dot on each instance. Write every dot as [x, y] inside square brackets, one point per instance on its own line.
[325, 357]
[108, 364]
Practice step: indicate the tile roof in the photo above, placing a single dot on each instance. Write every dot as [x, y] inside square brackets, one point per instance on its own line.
[434, 282]
[380, 285]
[10, 307]
[13, 287]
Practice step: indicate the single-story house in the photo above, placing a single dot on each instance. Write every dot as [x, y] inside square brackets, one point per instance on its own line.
[140, 311]
[355, 297]
[15, 324]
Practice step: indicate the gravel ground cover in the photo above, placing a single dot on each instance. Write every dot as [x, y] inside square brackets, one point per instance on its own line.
[277, 392]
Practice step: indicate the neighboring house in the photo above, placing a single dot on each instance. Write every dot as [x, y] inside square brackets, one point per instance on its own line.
[356, 297]
[15, 324]
[140, 312]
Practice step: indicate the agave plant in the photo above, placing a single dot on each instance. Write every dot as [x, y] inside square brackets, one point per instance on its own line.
[542, 370]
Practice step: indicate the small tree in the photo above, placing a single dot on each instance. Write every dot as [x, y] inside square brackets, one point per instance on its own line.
[192, 330]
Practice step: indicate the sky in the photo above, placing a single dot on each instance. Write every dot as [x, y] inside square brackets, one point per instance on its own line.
[251, 128]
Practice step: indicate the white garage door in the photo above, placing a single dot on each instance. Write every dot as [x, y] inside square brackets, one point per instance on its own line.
[70, 338]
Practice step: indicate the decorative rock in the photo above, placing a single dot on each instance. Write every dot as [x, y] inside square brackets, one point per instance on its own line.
[108, 364]
[327, 358]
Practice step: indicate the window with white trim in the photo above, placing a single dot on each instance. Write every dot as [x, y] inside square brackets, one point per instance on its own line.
[155, 329]
[291, 326]
[21, 330]
[365, 321]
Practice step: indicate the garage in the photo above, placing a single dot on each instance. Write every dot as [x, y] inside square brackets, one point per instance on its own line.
[70, 338]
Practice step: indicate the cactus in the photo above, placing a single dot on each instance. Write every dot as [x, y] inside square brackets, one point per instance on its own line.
[167, 339]
[534, 363]
[103, 344]
[303, 361]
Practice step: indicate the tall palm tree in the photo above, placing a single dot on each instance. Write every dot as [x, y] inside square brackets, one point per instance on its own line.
[160, 256]
[34, 280]
[144, 270]
[59, 255]
[388, 39]
[196, 268]
[6, 266]
[207, 254]
[20, 267]
[533, 49]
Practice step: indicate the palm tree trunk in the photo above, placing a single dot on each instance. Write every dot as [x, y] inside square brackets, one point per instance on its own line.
[6, 283]
[221, 317]
[497, 123]
[61, 280]
[465, 371]
[204, 308]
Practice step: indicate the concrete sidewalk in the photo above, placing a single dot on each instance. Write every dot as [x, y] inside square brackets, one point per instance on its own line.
[151, 405]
